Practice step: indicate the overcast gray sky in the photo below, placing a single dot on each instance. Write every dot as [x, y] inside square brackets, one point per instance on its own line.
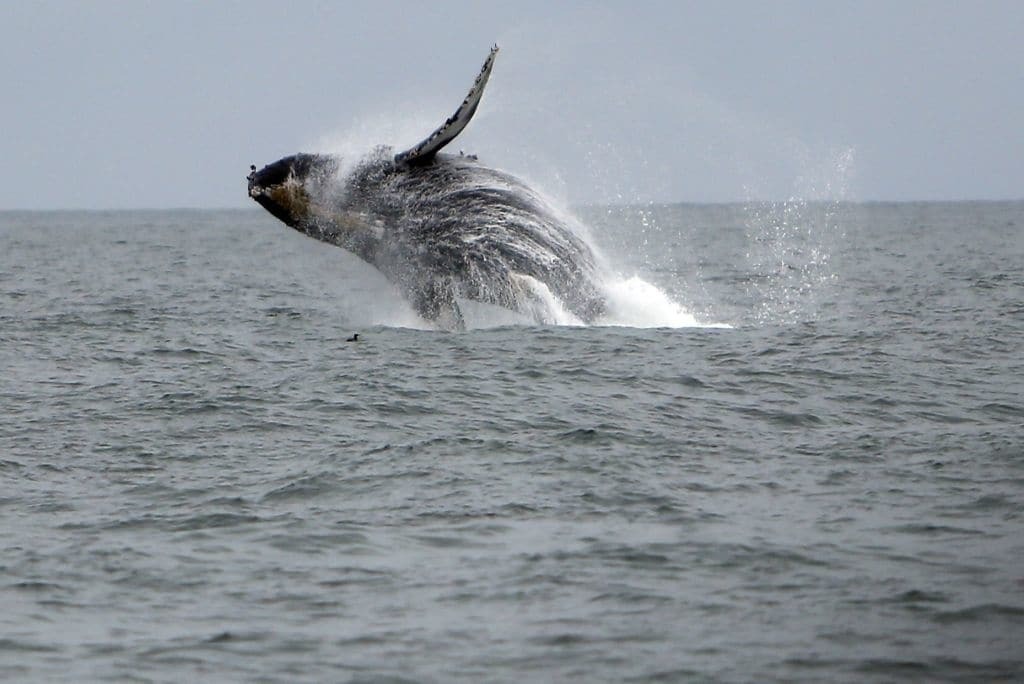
[165, 104]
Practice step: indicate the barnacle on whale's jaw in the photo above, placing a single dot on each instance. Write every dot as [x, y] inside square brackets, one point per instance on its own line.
[282, 187]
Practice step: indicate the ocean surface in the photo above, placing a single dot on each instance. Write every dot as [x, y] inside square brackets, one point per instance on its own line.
[795, 453]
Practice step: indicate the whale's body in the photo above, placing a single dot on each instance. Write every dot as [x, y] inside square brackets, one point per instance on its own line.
[440, 226]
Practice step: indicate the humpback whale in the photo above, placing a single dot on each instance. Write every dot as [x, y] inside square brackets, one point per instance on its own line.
[440, 226]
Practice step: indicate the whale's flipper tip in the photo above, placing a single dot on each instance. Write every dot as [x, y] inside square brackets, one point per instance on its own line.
[424, 151]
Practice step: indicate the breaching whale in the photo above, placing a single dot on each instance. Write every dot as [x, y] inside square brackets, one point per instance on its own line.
[440, 226]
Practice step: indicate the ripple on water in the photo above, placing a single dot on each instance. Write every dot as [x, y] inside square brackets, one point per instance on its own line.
[201, 480]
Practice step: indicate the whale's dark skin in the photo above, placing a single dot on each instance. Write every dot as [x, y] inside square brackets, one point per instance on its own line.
[439, 225]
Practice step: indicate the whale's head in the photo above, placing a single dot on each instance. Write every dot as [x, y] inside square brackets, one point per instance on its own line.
[283, 188]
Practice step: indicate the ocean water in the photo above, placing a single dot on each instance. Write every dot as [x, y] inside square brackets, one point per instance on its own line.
[200, 479]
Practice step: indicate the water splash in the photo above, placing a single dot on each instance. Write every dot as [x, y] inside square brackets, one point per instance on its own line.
[354, 142]
[790, 242]
[540, 303]
[631, 301]
[634, 302]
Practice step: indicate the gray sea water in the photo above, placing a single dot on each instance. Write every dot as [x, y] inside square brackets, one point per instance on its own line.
[201, 480]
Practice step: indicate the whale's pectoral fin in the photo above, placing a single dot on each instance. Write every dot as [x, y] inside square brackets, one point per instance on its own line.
[424, 151]
[435, 301]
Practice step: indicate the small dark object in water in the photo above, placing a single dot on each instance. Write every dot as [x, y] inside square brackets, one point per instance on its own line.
[354, 338]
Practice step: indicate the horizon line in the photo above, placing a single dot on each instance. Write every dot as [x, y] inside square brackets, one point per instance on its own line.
[573, 205]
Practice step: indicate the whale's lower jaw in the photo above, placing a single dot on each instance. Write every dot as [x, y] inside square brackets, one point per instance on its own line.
[276, 209]
[283, 188]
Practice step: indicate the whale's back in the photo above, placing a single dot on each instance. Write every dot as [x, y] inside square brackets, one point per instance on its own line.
[482, 227]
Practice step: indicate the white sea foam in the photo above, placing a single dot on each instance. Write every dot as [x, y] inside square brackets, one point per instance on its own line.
[543, 303]
[634, 302]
